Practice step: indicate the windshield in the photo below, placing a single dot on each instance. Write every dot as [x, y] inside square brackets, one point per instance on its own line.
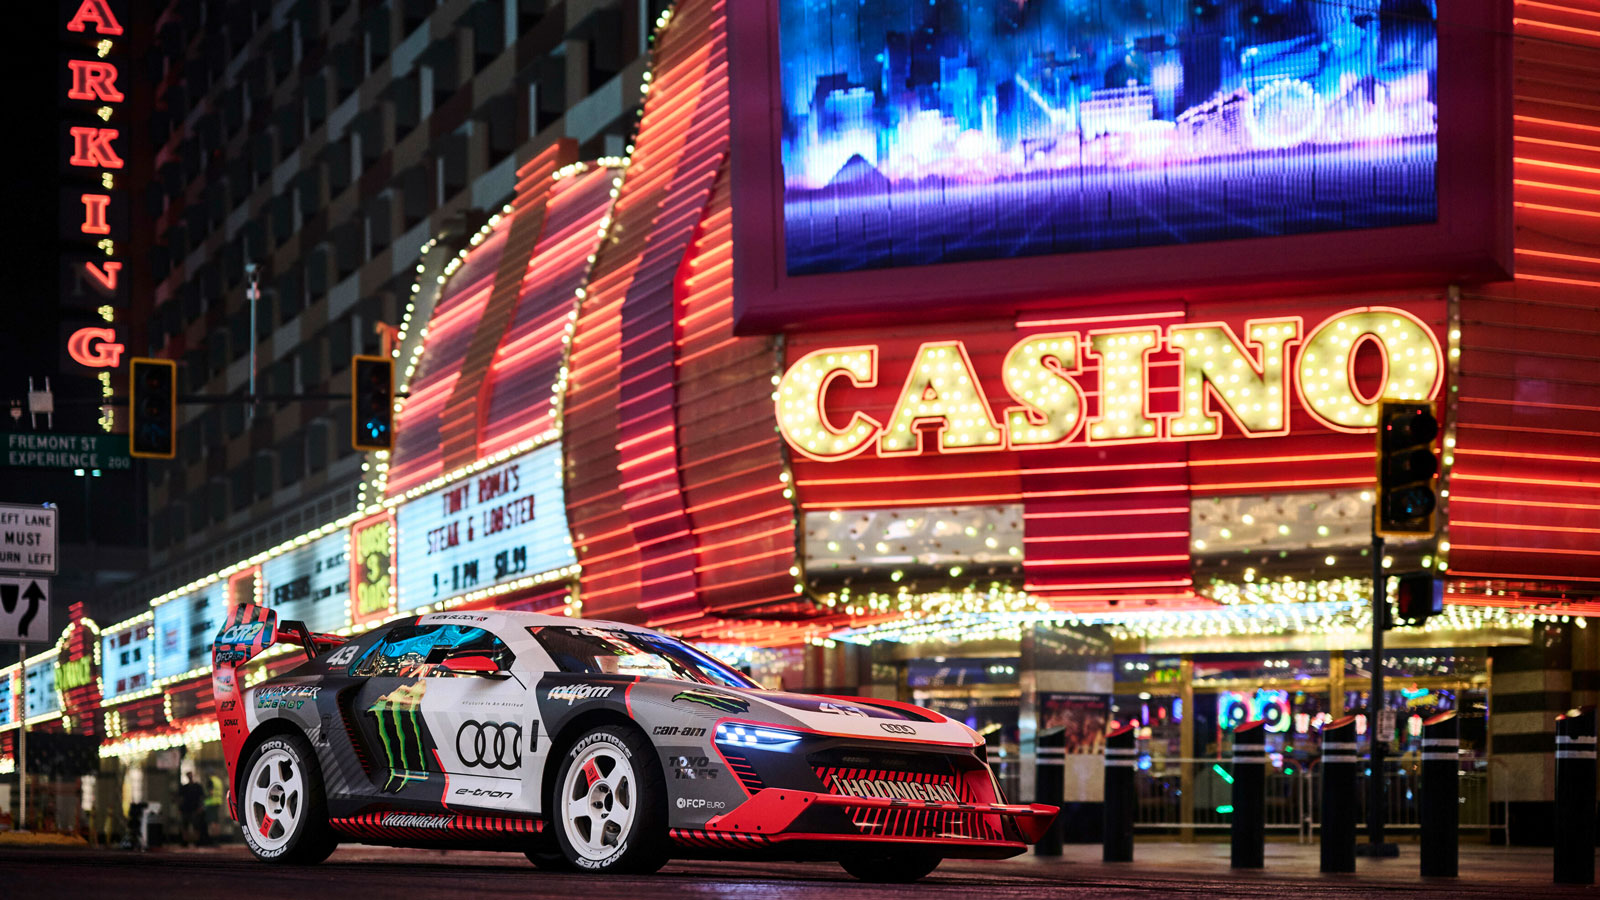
[613, 651]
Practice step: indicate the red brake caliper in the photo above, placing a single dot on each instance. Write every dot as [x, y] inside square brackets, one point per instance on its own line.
[591, 772]
[266, 825]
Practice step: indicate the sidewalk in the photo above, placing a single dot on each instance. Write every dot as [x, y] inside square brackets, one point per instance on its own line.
[1508, 871]
[1480, 864]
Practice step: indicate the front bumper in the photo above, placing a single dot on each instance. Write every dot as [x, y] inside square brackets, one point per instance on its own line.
[771, 815]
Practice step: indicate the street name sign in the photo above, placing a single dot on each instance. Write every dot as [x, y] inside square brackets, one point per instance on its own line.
[44, 450]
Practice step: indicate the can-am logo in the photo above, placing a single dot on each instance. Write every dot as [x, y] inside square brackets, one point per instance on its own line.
[409, 820]
[894, 790]
[574, 692]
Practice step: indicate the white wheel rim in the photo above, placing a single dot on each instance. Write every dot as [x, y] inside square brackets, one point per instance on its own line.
[274, 799]
[599, 801]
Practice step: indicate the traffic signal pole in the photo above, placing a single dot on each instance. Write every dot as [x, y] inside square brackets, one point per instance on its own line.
[253, 272]
[1375, 845]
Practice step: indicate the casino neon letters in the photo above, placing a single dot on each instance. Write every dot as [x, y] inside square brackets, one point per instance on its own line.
[1247, 376]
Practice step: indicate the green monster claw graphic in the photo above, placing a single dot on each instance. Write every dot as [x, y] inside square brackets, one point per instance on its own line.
[715, 701]
[400, 712]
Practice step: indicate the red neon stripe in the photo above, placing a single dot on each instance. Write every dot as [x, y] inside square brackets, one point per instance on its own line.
[1085, 320]
[1108, 560]
[1564, 529]
[1127, 536]
[1507, 548]
[1109, 511]
[1495, 501]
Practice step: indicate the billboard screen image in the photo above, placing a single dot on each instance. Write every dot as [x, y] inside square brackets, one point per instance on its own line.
[917, 132]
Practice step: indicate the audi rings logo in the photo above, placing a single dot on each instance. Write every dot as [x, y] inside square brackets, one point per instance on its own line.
[490, 745]
[897, 728]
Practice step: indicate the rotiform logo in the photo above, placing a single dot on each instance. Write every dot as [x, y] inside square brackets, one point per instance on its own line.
[575, 692]
[894, 790]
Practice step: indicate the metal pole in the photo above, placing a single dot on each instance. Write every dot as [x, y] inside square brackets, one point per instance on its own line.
[1375, 706]
[22, 740]
[252, 271]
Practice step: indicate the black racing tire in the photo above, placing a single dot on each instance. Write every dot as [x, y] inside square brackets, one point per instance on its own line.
[891, 868]
[620, 823]
[547, 857]
[283, 810]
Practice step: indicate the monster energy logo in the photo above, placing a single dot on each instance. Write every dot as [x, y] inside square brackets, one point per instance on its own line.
[715, 701]
[399, 717]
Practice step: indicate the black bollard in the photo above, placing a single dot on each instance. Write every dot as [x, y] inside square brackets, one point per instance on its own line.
[1122, 758]
[1249, 795]
[1049, 782]
[1441, 795]
[1575, 796]
[1339, 813]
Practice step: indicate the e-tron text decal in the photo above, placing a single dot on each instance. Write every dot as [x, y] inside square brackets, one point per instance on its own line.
[411, 820]
[574, 692]
[716, 701]
[842, 709]
[481, 792]
[489, 745]
[894, 790]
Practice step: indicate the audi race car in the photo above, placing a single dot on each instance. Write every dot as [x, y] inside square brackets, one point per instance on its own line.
[586, 745]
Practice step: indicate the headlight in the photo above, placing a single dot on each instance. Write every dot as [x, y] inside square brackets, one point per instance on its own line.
[755, 736]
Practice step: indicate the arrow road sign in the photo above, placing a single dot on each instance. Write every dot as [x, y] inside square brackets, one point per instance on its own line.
[24, 609]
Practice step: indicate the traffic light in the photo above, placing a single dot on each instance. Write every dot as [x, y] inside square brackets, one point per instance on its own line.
[371, 403]
[153, 408]
[1407, 466]
[1418, 596]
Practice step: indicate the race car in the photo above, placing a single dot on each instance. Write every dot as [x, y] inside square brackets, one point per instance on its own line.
[586, 745]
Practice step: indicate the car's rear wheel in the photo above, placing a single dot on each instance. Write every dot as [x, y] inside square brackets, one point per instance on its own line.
[282, 808]
[891, 868]
[610, 808]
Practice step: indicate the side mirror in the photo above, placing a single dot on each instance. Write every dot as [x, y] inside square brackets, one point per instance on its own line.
[476, 664]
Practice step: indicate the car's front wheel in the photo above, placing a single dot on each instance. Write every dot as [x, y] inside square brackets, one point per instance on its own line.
[892, 868]
[610, 803]
[281, 804]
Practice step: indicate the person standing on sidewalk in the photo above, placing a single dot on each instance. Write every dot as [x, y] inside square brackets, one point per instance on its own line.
[191, 809]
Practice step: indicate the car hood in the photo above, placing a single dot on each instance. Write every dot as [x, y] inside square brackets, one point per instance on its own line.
[841, 716]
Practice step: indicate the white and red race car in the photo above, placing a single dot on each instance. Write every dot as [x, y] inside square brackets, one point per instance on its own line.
[587, 745]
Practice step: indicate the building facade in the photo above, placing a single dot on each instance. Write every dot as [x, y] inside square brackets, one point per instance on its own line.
[1041, 510]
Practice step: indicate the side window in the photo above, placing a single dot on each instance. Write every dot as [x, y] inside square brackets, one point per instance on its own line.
[417, 650]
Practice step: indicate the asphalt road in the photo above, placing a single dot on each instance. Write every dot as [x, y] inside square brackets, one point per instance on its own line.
[360, 872]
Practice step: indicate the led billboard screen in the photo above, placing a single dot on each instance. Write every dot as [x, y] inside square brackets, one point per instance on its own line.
[917, 132]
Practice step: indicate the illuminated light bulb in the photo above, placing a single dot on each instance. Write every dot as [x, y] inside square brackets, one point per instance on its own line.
[1123, 400]
[935, 399]
[807, 381]
[1038, 373]
[1331, 396]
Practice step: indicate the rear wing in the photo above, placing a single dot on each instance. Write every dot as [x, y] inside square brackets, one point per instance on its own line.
[250, 631]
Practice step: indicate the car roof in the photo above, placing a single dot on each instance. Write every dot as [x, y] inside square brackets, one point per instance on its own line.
[515, 619]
